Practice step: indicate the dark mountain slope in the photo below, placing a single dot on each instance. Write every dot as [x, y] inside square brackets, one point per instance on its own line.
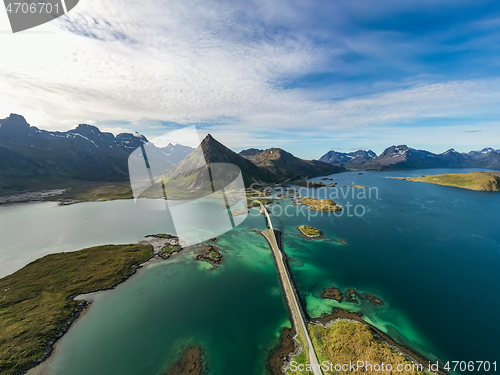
[286, 166]
[84, 153]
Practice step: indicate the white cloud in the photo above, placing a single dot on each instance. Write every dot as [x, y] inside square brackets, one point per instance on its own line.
[198, 62]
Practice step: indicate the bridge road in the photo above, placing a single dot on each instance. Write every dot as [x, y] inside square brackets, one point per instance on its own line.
[291, 296]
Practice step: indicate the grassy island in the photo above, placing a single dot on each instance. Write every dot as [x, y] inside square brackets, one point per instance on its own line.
[321, 204]
[347, 341]
[481, 181]
[211, 255]
[36, 302]
[310, 232]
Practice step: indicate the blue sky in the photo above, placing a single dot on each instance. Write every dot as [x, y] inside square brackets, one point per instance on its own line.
[306, 76]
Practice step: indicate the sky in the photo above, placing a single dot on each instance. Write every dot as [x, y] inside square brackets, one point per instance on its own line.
[306, 76]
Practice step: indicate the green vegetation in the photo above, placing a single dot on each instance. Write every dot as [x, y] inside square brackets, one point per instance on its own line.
[102, 191]
[169, 250]
[346, 341]
[301, 359]
[321, 204]
[482, 181]
[308, 231]
[36, 302]
[32, 189]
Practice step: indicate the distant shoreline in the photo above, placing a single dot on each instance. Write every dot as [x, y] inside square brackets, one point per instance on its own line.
[477, 181]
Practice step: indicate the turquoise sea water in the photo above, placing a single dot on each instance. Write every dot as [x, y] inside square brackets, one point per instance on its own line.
[431, 253]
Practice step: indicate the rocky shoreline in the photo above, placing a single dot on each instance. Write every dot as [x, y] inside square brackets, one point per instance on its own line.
[30, 197]
[282, 354]
[50, 346]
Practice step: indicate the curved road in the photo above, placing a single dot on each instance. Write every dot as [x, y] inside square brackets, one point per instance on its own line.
[295, 308]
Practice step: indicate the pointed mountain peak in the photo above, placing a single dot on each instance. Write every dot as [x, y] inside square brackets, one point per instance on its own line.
[209, 140]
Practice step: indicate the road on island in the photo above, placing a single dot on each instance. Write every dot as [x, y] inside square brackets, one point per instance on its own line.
[293, 302]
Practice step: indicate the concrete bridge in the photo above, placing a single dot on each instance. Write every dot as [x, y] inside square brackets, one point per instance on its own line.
[290, 293]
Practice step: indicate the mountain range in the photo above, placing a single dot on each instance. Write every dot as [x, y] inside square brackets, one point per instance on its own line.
[403, 157]
[30, 157]
[34, 159]
[269, 166]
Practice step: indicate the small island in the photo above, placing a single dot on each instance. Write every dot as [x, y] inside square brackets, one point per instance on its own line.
[320, 204]
[332, 293]
[374, 300]
[190, 362]
[310, 232]
[211, 255]
[480, 181]
[164, 245]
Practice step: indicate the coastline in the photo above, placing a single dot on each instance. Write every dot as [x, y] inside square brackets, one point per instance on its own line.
[38, 367]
